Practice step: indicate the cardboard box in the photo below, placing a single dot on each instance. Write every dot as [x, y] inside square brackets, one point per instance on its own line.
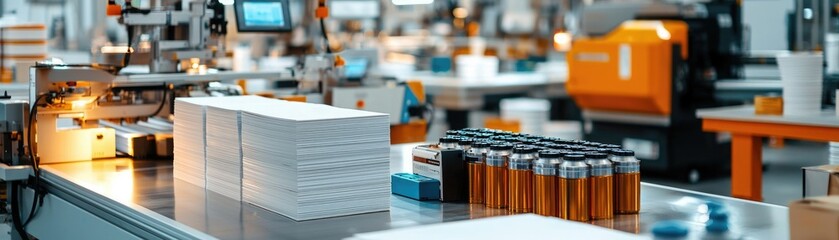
[821, 181]
[814, 218]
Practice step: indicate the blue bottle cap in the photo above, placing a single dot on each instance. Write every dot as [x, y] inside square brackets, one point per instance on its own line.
[714, 205]
[719, 215]
[716, 226]
[669, 229]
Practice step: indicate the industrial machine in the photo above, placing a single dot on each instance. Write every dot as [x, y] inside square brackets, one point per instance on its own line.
[57, 94]
[13, 128]
[181, 38]
[404, 102]
[81, 112]
[71, 100]
[640, 84]
[184, 38]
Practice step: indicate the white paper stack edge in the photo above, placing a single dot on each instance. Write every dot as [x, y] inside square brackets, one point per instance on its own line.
[531, 113]
[310, 161]
[224, 143]
[189, 140]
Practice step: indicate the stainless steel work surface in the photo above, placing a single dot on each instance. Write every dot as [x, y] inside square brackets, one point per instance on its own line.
[149, 185]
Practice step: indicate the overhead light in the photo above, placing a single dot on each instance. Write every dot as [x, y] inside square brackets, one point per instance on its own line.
[460, 13]
[226, 2]
[115, 49]
[411, 2]
[562, 41]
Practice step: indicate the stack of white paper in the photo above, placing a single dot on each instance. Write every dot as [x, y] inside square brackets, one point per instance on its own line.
[189, 142]
[522, 226]
[309, 161]
[224, 143]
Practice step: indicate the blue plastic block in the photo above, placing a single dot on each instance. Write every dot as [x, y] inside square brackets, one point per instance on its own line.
[415, 186]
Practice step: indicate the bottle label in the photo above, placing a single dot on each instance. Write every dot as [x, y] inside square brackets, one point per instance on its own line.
[520, 165]
[497, 160]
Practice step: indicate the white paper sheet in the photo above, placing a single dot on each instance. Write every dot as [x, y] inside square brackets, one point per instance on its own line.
[522, 226]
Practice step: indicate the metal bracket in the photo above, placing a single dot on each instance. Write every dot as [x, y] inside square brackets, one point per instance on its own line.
[14, 173]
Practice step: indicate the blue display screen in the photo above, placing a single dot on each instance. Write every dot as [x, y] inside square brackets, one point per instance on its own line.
[263, 14]
[355, 68]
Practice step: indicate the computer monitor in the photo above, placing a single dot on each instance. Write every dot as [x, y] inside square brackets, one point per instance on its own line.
[355, 69]
[262, 16]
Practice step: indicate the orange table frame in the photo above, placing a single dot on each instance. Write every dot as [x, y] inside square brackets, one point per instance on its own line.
[746, 146]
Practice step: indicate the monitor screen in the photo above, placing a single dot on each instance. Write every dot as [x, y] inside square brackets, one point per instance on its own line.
[355, 68]
[262, 16]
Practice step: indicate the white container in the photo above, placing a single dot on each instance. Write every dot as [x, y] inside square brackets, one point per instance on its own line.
[801, 78]
[831, 47]
[564, 129]
[476, 68]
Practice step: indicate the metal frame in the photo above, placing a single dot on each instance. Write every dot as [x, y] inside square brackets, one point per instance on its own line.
[136, 220]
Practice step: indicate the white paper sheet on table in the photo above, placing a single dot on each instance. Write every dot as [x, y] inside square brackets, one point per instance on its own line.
[522, 226]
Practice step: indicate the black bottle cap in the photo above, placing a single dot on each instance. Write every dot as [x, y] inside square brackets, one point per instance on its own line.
[623, 153]
[596, 155]
[574, 157]
[449, 140]
[468, 134]
[480, 144]
[549, 154]
[524, 150]
[503, 146]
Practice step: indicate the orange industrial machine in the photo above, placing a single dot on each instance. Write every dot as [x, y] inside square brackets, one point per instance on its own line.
[629, 70]
[640, 85]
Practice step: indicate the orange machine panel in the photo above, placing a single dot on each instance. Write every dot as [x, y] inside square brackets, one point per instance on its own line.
[628, 70]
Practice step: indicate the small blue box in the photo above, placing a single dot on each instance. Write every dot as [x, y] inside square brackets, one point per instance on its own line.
[415, 186]
[441, 64]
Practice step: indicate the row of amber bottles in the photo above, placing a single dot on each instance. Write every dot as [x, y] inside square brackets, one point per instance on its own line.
[569, 185]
